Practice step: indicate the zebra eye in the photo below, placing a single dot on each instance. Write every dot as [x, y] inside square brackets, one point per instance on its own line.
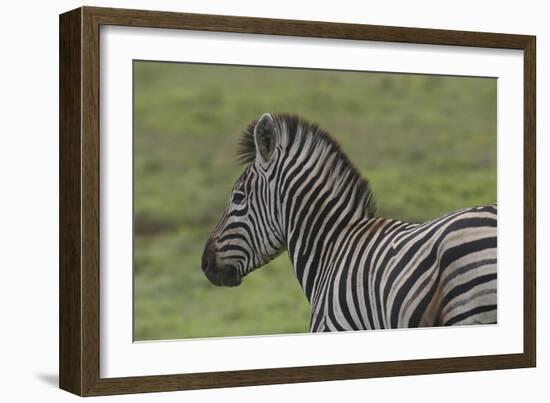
[238, 197]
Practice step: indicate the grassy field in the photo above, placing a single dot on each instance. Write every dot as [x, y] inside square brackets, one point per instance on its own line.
[427, 144]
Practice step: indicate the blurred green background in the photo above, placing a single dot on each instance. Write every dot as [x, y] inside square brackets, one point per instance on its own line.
[426, 143]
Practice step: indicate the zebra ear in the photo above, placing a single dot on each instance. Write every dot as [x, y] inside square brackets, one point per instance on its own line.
[264, 136]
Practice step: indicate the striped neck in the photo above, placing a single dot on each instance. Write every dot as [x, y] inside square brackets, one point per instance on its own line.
[322, 195]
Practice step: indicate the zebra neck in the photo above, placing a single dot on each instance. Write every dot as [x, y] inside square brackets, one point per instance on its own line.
[315, 221]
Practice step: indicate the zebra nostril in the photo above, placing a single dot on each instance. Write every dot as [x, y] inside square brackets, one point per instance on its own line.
[204, 263]
[208, 257]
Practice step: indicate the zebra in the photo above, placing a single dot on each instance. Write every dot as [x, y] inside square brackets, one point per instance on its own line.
[300, 192]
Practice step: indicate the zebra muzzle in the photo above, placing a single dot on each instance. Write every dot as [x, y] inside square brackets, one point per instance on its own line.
[218, 274]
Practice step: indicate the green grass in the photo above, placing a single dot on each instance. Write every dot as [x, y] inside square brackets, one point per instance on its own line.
[426, 143]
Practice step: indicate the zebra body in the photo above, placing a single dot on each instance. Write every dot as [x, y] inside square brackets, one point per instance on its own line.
[300, 192]
[390, 274]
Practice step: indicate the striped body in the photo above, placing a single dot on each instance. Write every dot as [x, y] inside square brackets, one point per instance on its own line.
[389, 274]
[300, 192]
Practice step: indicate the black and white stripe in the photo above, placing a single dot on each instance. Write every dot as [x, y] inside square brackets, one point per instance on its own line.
[299, 191]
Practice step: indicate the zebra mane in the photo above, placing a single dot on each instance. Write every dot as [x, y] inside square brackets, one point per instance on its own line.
[247, 150]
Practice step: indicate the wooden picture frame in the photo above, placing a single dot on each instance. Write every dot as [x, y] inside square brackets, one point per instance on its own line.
[79, 278]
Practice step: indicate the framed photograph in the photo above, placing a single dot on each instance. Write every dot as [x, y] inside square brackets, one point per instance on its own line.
[249, 201]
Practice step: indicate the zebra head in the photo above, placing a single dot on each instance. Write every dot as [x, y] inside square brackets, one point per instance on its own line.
[249, 234]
